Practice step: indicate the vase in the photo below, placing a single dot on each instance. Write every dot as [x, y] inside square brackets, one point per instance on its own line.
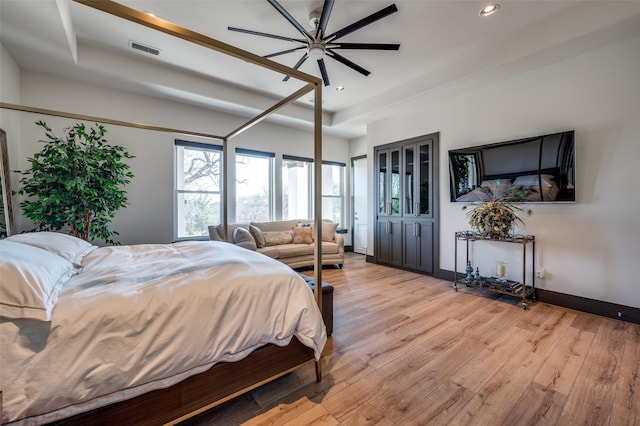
[501, 270]
[469, 270]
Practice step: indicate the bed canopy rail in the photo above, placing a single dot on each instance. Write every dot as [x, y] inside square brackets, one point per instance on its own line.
[312, 84]
[143, 126]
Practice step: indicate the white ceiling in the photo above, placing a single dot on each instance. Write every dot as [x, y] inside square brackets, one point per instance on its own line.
[441, 42]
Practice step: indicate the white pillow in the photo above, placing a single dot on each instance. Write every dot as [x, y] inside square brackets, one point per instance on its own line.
[532, 180]
[66, 246]
[31, 278]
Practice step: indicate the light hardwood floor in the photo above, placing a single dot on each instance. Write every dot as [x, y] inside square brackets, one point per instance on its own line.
[407, 349]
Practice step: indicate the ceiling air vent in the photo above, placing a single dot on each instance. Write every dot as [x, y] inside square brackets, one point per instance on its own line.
[143, 48]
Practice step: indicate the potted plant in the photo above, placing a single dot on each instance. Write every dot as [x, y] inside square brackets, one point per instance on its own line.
[76, 183]
[497, 216]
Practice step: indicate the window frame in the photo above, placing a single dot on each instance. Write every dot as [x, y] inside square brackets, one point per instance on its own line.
[309, 201]
[179, 147]
[342, 186]
[271, 180]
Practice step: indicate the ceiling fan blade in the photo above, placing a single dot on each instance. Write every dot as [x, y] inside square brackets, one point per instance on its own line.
[290, 18]
[323, 71]
[324, 18]
[347, 62]
[297, 65]
[240, 30]
[369, 46]
[284, 52]
[363, 22]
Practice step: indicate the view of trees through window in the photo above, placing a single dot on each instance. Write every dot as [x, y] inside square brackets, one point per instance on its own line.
[254, 183]
[333, 192]
[198, 188]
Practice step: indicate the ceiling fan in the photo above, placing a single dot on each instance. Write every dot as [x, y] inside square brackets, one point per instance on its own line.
[318, 44]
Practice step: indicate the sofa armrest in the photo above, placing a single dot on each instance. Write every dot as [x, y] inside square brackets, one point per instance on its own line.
[340, 241]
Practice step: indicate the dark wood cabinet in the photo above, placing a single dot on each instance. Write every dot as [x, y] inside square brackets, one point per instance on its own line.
[417, 247]
[406, 193]
[389, 241]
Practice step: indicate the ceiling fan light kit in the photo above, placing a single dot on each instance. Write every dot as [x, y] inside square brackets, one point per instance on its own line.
[315, 50]
[318, 44]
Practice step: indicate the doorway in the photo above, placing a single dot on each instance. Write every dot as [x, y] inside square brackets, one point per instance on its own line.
[359, 194]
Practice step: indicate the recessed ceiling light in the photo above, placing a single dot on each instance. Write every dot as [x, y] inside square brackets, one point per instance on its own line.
[489, 9]
[339, 88]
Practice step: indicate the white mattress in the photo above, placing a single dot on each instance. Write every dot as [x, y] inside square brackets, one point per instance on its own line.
[138, 318]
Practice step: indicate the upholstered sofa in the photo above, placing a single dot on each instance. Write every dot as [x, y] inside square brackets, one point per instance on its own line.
[289, 241]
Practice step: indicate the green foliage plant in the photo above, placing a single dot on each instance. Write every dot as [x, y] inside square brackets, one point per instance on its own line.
[76, 183]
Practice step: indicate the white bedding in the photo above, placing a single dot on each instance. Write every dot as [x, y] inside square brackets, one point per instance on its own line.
[143, 317]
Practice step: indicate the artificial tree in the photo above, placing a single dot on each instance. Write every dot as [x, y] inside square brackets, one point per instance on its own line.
[76, 183]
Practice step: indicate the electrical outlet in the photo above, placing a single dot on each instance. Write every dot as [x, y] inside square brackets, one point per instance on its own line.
[540, 273]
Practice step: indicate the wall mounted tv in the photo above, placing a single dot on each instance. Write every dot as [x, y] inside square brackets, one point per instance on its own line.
[537, 169]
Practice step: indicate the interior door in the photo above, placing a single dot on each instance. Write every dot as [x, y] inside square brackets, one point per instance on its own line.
[360, 205]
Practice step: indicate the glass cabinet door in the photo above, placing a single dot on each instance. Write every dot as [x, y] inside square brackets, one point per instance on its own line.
[382, 182]
[409, 182]
[424, 189]
[395, 182]
[404, 180]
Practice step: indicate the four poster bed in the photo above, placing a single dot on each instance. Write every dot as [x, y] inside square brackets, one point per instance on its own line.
[155, 333]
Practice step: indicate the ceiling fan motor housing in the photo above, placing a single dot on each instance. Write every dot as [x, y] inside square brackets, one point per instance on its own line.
[314, 18]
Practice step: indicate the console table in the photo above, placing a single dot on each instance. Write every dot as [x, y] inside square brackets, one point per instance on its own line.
[504, 286]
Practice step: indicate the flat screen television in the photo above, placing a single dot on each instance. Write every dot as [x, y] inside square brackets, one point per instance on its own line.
[538, 169]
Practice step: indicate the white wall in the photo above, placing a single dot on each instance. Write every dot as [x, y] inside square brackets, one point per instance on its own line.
[149, 216]
[10, 93]
[358, 147]
[588, 248]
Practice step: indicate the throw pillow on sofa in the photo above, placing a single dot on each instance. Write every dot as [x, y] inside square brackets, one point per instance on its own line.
[258, 236]
[328, 229]
[302, 235]
[243, 238]
[277, 238]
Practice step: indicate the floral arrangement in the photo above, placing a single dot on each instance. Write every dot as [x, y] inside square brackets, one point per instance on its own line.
[497, 216]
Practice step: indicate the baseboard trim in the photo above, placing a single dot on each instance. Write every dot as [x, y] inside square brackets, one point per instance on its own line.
[583, 304]
[592, 306]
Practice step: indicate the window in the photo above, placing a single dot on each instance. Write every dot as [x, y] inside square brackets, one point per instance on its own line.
[296, 187]
[333, 190]
[254, 185]
[198, 185]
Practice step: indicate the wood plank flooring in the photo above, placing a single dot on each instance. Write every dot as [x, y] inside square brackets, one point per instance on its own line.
[408, 350]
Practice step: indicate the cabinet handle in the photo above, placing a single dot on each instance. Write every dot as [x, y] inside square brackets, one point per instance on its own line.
[417, 229]
[388, 227]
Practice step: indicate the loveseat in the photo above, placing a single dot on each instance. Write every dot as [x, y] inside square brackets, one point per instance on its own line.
[289, 241]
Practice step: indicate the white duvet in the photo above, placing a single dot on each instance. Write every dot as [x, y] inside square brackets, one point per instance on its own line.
[143, 317]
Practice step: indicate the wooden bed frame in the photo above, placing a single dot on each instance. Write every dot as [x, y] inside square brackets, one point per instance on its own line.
[196, 394]
[223, 381]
